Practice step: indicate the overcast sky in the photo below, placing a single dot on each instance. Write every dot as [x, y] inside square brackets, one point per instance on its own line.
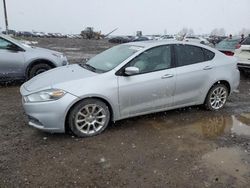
[150, 16]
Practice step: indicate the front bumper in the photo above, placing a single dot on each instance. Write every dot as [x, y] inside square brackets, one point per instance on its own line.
[49, 116]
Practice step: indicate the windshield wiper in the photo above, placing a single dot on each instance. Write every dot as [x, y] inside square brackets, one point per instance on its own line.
[91, 68]
[87, 66]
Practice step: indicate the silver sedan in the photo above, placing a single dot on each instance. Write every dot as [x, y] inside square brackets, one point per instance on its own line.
[129, 80]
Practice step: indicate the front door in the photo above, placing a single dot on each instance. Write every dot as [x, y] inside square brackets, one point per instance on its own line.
[11, 61]
[152, 89]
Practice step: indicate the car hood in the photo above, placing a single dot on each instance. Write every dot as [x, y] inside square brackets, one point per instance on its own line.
[56, 76]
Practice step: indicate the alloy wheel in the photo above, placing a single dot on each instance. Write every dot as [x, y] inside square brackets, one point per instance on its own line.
[218, 97]
[90, 119]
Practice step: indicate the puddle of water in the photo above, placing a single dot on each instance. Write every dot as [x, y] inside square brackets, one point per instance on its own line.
[208, 127]
[213, 127]
[230, 161]
[240, 127]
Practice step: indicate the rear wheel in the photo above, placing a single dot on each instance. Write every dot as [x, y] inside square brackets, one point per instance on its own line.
[89, 117]
[38, 69]
[217, 97]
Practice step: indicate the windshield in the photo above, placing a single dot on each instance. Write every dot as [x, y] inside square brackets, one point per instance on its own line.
[112, 57]
[228, 44]
[22, 43]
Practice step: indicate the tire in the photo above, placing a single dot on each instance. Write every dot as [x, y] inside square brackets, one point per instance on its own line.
[38, 69]
[216, 97]
[89, 117]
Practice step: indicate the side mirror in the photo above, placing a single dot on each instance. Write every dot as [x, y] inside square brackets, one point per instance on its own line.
[131, 71]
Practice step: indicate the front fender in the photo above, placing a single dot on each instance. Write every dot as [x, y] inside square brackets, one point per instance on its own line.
[114, 107]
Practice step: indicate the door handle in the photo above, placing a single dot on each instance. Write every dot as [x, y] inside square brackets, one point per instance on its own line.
[167, 76]
[207, 68]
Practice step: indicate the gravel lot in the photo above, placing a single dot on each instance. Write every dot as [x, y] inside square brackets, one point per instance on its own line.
[187, 147]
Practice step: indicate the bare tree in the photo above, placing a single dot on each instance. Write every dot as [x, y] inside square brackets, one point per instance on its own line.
[186, 31]
[218, 32]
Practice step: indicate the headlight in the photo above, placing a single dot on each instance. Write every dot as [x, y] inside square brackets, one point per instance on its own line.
[58, 55]
[46, 95]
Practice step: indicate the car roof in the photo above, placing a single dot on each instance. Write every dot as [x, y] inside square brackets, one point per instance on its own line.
[154, 43]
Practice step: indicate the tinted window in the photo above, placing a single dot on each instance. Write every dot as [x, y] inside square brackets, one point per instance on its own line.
[208, 55]
[246, 41]
[158, 58]
[188, 54]
[4, 43]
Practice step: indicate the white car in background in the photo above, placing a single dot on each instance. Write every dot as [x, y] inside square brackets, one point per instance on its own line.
[195, 39]
[243, 55]
[167, 37]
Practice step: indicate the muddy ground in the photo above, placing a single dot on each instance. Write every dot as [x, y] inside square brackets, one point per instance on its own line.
[188, 147]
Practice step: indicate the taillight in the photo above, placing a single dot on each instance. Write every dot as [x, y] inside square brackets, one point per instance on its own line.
[228, 53]
[238, 46]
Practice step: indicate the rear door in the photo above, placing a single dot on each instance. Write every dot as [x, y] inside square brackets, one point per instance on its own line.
[192, 72]
[11, 61]
[153, 88]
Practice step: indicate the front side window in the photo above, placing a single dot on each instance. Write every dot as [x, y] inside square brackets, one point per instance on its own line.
[188, 54]
[4, 43]
[154, 59]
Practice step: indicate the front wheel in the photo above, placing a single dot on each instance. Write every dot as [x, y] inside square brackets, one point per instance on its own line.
[89, 117]
[217, 97]
[38, 69]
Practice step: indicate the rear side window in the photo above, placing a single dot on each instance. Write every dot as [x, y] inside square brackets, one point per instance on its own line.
[188, 54]
[208, 55]
[246, 41]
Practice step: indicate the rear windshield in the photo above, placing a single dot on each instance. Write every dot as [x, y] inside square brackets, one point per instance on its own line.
[228, 44]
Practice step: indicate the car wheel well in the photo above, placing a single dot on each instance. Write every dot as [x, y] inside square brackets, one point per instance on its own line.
[38, 61]
[66, 126]
[224, 82]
